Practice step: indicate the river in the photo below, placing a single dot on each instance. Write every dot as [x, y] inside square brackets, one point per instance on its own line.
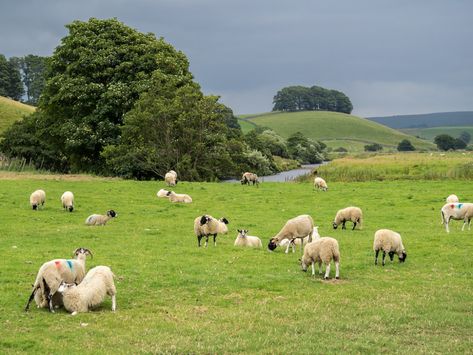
[286, 176]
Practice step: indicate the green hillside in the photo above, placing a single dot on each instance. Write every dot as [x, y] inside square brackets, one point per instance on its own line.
[431, 133]
[11, 111]
[336, 129]
[437, 119]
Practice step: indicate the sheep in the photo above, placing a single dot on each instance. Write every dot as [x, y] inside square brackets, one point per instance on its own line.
[50, 275]
[37, 198]
[457, 211]
[222, 226]
[206, 225]
[173, 197]
[452, 198]
[389, 242]
[297, 227]
[100, 219]
[162, 193]
[320, 184]
[171, 178]
[90, 292]
[67, 200]
[249, 177]
[323, 250]
[245, 240]
[293, 243]
[353, 214]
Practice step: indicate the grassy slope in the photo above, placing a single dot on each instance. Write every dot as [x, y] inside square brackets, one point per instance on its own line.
[437, 119]
[335, 126]
[11, 111]
[431, 133]
[174, 297]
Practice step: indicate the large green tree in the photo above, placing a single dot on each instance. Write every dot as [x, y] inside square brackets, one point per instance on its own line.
[10, 79]
[33, 72]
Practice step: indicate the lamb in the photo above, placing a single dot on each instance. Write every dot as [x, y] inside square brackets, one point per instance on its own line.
[320, 184]
[452, 198]
[323, 250]
[389, 242]
[162, 193]
[249, 177]
[353, 214]
[67, 200]
[297, 227]
[457, 211]
[90, 292]
[173, 197]
[245, 240]
[171, 178]
[206, 225]
[286, 242]
[50, 275]
[37, 198]
[100, 219]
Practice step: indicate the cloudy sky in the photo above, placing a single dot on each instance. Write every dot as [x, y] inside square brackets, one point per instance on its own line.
[389, 56]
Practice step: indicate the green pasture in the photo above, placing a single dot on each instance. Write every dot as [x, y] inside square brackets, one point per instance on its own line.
[11, 111]
[432, 132]
[246, 125]
[173, 297]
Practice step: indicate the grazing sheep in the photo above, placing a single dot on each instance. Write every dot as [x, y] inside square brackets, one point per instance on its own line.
[90, 292]
[352, 214]
[171, 178]
[249, 177]
[67, 200]
[173, 197]
[245, 240]
[389, 242]
[37, 198]
[293, 243]
[51, 274]
[206, 225]
[162, 193]
[100, 219]
[222, 226]
[320, 184]
[297, 227]
[452, 199]
[457, 211]
[323, 250]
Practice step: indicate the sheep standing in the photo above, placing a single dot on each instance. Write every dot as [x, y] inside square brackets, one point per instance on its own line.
[37, 198]
[100, 219]
[51, 274]
[173, 197]
[67, 200]
[298, 227]
[298, 241]
[245, 240]
[320, 184]
[206, 225]
[171, 178]
[457, 211]
[323, 250]
[353, 214]
[248, 178]
[389, 242]
[90, 292]
[452, 198]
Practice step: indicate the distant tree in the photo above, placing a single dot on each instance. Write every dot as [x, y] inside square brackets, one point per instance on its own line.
[373, 147]
[459, 144]
[4, 76]
[33, 71]
[465, 137]
[445, 142]
[10, 79]
[304, 149]
[405, 145]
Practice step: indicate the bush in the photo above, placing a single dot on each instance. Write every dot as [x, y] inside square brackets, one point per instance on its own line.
[405, 146]
[375, 147]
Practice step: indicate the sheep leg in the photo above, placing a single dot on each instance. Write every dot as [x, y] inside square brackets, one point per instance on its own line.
[384, 256]
[391, 256]
[114, 303]
[320, 267]
[198, 239]
[469, 223]
[30, 299]
[206, 240]
[327, 271]
[313, 268]
[337, 271]
[464, 223]
[288, 245]
[215, 240]
[49, 296]
[376, 257]
[354, 225]
[343, 225]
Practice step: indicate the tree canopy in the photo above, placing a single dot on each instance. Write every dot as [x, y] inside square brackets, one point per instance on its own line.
[10, 79]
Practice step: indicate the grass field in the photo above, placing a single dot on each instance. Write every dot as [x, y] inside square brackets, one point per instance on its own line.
[245, 125]
[431, 133]
[333, 127]
[11, 111]
[176, 298]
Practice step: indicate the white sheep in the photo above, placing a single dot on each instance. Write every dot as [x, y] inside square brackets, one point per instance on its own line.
[171, 178]
[297, 227]
[206, 225]
[37, 198]
[222, 226]
[245, 240]
[248, 178]
[173, 197]
[452, 198]
[67, 200]
[389, 242]
[353, 214]
[322, 250]
[100, 219]
[162, 193]
[51, 274]
[320, 184]
[457, 211]
[90, 292]
[294, 242]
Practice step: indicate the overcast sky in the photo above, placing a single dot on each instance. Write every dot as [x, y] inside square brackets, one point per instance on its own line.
[389, 56]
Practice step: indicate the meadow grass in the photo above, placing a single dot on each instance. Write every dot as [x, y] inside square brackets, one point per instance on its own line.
[11, 111]
[174, 297]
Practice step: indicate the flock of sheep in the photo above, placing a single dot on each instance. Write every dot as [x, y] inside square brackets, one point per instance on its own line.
[64, 282]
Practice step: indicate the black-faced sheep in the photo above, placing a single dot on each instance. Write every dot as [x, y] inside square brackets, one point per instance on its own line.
[67, 200]
[100, 219]
[173, 197]
[457, 211]
[322, 250]
[389, 242]
[37, 198]
[298, 241]
[245, 240]
[352, 214]
[206, 225]
[248, 178]
[298, 227]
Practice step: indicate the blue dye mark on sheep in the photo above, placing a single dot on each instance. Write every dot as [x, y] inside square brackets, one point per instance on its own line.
[69, 263]
[460, 205]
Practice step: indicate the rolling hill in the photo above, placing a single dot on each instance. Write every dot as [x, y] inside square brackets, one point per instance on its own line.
[11, 111]
[439, 119]
[432, 132]
[335, 129]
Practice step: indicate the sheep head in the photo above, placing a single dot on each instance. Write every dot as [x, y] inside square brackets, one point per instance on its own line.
[112, 213]
[82, 251]
[303, 265]
[204, 219]
[335, 225]
[224, 220]
[272, 244]
[63, 287]
[403, 257]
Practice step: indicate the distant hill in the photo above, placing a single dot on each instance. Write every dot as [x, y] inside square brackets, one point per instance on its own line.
[334, 129]
[439, 119]
[431, 133]
[11, 111]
